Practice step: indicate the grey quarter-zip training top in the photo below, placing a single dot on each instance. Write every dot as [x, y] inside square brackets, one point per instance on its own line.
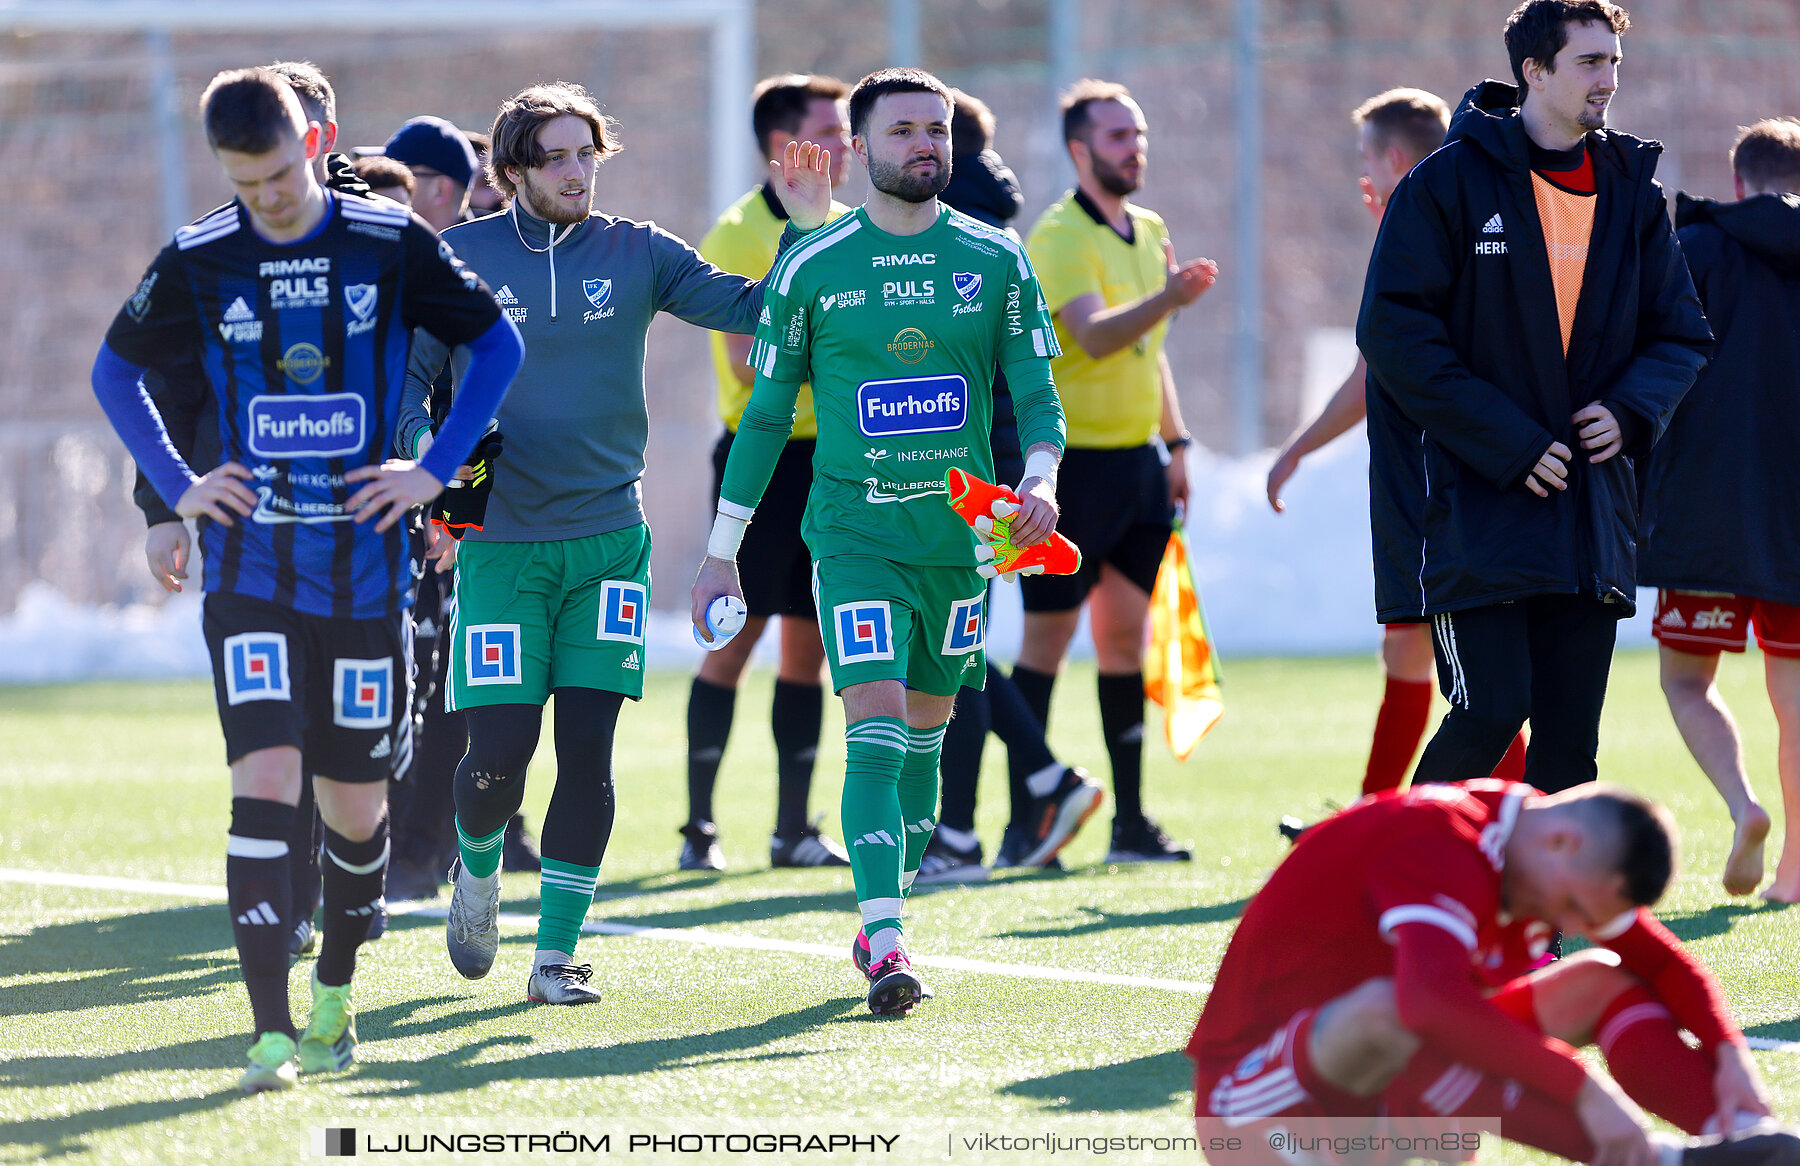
[575, 421]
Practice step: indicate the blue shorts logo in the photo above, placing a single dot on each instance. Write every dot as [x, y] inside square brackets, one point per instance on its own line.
[967, 630]
[295, 425]
[362, 694]
[912, 405]
[865, 632]
[968, 284]
[622, 605]
[256, 667]
[598, 291]
[494, 654]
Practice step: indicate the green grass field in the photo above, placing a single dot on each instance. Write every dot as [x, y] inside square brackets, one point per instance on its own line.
[125, 1022]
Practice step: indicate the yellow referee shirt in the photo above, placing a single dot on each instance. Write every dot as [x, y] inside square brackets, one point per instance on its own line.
[1116, 402]
[743, 242]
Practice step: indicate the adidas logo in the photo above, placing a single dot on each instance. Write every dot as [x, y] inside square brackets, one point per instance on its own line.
[922, 826]
[764, 318]
[261, 915]
[504, 296]
[425, 629]
[382, 749]
[878, 838]
[1672, 619]
[239, 312]
[632, 662]
[362, 912]
[1493, 226]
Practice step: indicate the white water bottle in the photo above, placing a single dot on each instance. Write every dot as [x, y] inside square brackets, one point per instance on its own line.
[725, 617]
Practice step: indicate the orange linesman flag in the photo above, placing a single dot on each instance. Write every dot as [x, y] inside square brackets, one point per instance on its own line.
[1180, 671]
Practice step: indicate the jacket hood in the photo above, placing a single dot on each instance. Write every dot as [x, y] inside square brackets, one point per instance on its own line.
[983, 187]
[1488, 117]
[1767, 225]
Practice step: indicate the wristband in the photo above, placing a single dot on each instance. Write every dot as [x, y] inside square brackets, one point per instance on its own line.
[1186, 439]
[727, 536]
[1041, 464]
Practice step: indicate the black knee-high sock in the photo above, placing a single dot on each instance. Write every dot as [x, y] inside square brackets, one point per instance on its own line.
[579, 821]
[960, 761]
[303, 855]
[354, 874]
[710, 708]
[257, 894]
[794, 717]
[1018, 725]
[1033, 689]
[1122, 724]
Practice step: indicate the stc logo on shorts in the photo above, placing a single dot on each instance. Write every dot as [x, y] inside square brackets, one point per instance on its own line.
[912, 405]
[967, 630]
[362, 694]
[256, 667]
[494, 653]
[298, 426]
[864, 632]
[622, 605]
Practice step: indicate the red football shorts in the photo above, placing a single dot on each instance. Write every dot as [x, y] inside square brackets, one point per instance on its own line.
[1702, 623]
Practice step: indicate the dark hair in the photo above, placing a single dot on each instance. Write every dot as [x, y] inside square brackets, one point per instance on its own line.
[1767, 155]
[311, 87]
[250, 111]
[1412, 119]
[780, 103]
[972, 126]
[1537, 30]
[882, 82]
[1078, 100]
[383, 173]
[1643, 831]
[522, 115]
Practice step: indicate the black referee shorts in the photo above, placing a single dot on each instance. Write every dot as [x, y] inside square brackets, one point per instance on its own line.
[1115, 507]
[774, 566]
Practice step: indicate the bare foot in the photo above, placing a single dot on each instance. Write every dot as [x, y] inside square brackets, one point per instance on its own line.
[1785, 888]
[1744, 869]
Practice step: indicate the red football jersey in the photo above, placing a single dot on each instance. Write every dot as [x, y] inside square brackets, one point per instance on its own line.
[1321, 924]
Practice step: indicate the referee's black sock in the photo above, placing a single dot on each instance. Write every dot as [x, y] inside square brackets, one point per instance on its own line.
[257, 893]
[1122, 724]
[710, 708]
[1015, 723]
[795, 716]
[960, 760]
[1034, 689]
[354, 874]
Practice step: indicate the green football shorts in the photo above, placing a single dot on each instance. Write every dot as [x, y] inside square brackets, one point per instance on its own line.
[534, 617]
[881, 620]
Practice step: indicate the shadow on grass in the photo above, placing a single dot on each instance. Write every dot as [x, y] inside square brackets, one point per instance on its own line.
[458, 1070]
[1151, 1082]
[743, 910]
[1097, 920]
[1693, 925]
[120, 960]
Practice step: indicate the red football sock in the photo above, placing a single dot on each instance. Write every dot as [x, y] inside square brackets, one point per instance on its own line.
[1512, 766]
[1461, 1092]
[1399, 727]
[1650, 1061]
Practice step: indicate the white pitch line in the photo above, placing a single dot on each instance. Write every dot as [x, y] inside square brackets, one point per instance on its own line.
[693, 935]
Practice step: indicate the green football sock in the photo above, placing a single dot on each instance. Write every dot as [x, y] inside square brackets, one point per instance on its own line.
[564, 892]
[480, 856]
[876, 748]
[919, 796]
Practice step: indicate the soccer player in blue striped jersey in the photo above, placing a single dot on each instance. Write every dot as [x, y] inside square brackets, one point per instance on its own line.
[301, 305]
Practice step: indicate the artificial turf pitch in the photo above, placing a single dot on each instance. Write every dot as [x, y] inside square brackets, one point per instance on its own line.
[123, 1022]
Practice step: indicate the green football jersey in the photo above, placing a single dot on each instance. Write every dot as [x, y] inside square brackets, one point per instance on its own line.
[899, 337]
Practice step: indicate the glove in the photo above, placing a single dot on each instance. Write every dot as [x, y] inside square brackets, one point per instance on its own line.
[463, 505]
[989, 510]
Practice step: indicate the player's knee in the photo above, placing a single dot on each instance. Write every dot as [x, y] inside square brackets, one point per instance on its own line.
[1358, 1041]
[271, 774]
[1406, 653]
[1572, 994]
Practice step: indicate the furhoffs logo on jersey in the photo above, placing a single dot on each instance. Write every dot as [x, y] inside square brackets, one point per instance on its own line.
[598, 291]
[493, 653]
[865, 632]
[331, 425]
[360, 298]
[256, 667]
[362, 694]
[622, 605]
[968, 284]
[967, 630]
[912, 405]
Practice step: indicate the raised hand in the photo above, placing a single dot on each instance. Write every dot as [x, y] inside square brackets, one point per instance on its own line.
[802, 179]
[1187, 281]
